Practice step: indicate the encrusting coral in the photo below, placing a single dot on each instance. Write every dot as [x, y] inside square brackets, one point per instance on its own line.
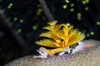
[88, 57]
[62, 36]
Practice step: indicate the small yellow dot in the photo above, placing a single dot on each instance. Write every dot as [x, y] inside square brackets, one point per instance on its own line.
[15, 18]
[34, 27]
[39, 11]
[98, 23]
[84, 2]
[88, 35]
[92, 33]
[79, 16]
[87, 1]
[72, 4]
[72, 10]
[86, 8]
[21, 20]
[67, 1]
[19, 30]
[9, 7]
[11, 4]
[65, 6]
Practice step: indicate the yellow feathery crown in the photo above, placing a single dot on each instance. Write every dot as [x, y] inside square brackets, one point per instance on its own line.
[61, 35]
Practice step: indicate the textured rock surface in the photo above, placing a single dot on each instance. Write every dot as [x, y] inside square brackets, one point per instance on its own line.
[89, 57]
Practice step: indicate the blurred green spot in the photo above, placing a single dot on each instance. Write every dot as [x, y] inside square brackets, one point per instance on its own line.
[34, 27]
[79, 16]
[39, 11]
[19, 30]
[72, 10]
[67, 1]
[92, 33]
[86, 8]
[87, 1]
[98, 23]
[65, 6]
[15, 18]
[72, 4]
[88, 35]
[10, 5]
[84, 2]
[21, 20]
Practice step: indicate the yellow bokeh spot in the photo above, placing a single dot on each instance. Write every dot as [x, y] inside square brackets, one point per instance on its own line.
[88, 35]
[15, 18]
[10, 5]
[39, 11]
[34, 27]
[92, 33]
[21, 20]
[67, 1]
[79, 16]
[87, 1]
[72, 10]
[84, 2]
[86, 8]
[19, 30]
[98, 23]
[72, 4]
[65, 6]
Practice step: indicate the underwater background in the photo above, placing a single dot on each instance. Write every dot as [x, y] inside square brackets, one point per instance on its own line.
[25, 20]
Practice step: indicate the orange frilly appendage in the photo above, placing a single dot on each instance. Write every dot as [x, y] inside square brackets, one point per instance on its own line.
[60, 36]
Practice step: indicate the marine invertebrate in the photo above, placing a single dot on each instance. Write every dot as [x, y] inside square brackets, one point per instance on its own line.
[89, 57]
[62, 36]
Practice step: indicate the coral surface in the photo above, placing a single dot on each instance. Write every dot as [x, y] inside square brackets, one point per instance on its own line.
[89, 57]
